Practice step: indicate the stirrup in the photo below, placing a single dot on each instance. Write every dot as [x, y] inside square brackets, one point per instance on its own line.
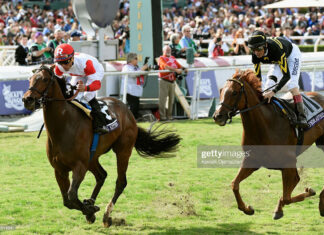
[302, 124]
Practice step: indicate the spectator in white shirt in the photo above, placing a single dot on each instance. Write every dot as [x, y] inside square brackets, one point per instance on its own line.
[134, 83]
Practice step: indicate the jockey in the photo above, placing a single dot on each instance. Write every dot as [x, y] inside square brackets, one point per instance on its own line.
[285, 60]
[82, 66]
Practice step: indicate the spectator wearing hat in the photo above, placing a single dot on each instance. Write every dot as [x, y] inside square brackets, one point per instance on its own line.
[39, 51]
[58, 39]
[76, 36]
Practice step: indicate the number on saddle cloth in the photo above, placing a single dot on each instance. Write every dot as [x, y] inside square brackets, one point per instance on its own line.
[104, 109]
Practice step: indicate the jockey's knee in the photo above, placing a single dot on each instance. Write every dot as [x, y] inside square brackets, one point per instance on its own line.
[89, 95]
[295, 91]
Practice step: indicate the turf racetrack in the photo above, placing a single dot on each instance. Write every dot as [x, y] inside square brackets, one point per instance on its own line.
[163, 196]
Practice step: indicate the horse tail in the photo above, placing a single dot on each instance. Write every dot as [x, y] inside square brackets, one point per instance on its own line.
[151, 143]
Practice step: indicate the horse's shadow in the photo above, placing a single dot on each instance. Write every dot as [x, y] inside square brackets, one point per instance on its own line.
[223, 228]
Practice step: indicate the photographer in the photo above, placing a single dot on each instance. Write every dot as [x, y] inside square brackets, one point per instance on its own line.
[240, 47]
[176, 49]
[215, 47]
[134, 83]
[166, 82]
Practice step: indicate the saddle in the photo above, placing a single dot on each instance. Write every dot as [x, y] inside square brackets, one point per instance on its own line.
[104, 109]
[313, 110]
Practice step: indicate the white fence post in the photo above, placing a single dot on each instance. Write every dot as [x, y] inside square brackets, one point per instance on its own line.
[125, 89]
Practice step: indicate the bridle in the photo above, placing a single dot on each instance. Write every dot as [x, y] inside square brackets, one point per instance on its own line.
[44, 95]
[233, 110]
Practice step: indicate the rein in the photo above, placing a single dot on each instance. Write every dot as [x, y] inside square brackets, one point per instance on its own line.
[44, 97]
[234, 110]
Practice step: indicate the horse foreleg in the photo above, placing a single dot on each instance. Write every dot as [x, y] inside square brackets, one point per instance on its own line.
[62, 178]
[321, 203]
[78, 174]
[290, 179]
[121, 182]
[242, 174]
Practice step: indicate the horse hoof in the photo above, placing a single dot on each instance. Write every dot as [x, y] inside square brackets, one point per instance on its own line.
[310, 191]
[107, 221]
[278, 215]
[89, 209]
[249, 211]
[91, 218]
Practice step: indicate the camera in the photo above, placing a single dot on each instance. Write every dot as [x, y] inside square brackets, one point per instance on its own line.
[181, 76]
[146, 59]
[153, 67]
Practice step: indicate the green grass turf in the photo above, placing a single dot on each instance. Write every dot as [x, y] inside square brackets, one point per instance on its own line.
[163, 196]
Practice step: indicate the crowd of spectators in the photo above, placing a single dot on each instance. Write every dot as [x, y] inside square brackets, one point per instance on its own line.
[226, 24]
[35, 30]
[231, 22]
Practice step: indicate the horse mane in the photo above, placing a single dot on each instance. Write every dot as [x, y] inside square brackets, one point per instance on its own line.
[250, 77]
[61, 82]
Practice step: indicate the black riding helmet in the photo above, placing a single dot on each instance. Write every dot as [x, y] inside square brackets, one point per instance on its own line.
[258, 39]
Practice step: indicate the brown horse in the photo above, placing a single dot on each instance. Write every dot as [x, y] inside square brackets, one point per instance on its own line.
[264, 125]
[70, 136]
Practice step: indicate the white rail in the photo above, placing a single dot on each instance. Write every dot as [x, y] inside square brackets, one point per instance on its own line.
[194, 106]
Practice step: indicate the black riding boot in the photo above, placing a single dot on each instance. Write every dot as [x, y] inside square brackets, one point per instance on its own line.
[99, 120]
[301, 117]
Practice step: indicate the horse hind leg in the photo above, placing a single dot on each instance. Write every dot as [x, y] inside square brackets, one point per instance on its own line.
[321, 203]
[121, 183]
[320, 142]
[290, 179]
[100, 174]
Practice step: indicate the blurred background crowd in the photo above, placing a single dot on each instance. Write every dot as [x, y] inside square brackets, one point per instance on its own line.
[219, 25]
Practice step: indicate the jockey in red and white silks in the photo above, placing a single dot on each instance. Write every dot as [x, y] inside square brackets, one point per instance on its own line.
[87, 69]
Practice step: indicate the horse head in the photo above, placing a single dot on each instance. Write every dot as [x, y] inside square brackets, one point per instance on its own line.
[233, 96]
[39, 84]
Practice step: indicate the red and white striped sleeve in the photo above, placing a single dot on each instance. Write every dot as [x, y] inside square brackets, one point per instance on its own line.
[58, 72]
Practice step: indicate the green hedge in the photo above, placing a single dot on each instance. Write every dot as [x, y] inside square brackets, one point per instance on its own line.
[310, 48]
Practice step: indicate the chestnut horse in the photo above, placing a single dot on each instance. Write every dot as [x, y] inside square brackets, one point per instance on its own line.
[70, 136]
[264, 125]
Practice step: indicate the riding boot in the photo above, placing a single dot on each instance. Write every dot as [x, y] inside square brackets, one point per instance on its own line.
[98, 118]
[301, 117]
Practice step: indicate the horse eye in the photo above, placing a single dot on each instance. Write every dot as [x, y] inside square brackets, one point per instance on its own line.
[234, 93]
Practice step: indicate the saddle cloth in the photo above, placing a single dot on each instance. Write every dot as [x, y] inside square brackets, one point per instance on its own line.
[104, 109]
[313, 110]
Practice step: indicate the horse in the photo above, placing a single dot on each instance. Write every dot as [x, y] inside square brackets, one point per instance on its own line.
[264, 125]
[70, 135]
